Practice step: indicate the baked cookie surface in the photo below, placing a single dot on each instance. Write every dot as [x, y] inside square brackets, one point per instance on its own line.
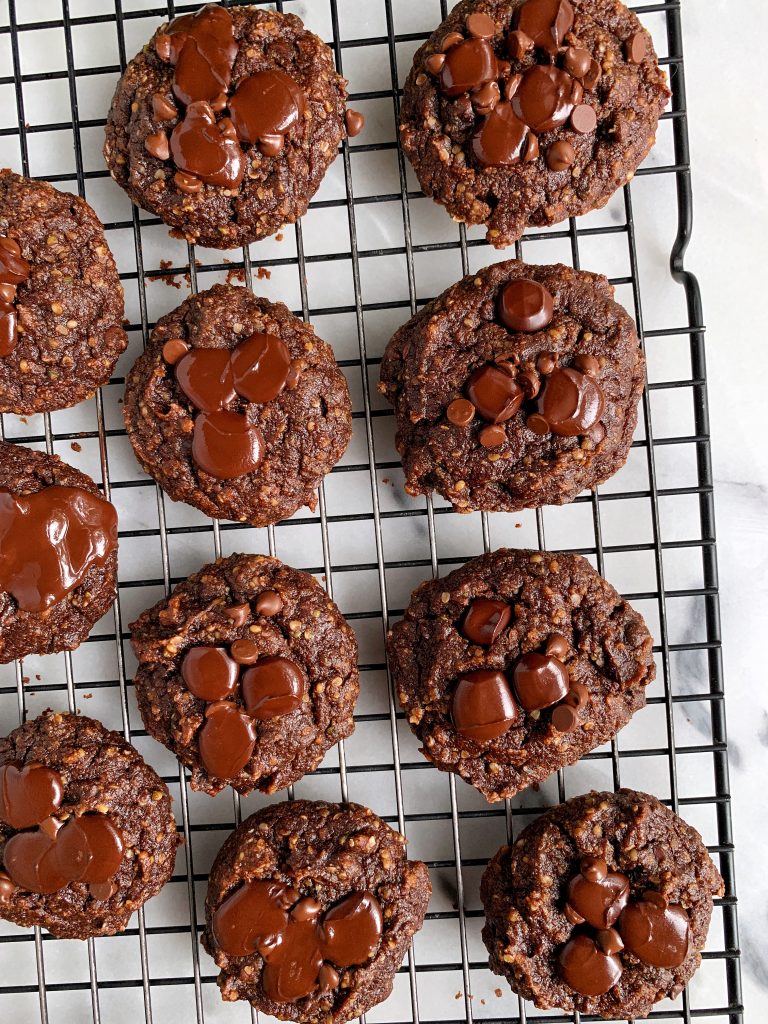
[58, 554]
[602, 905]
[61, 301]
[87, 834]
[333, 882]
[226, 122]
[247, 672]
[237, 407]
[515, 388]
[516, 665]
[521, 113]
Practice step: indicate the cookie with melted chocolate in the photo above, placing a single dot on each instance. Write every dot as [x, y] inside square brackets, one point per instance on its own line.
[310, 910]
[61, 301]
[520, 113]
[87, 834]
[622, 889]
[550, 369]
[517, 664]
[248, 673]
[226, 122]
[58, 554]
[237, 407]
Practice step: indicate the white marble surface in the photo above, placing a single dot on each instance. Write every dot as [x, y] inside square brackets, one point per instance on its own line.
[730, 254]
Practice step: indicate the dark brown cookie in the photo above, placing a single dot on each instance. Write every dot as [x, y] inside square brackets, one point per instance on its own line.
[237, 407]
[517, 387]
[86, 830]
[334, 882]
[248, 673]
[61, 301]
[521, 113]
[225, 123]
[602, 905]
[516, 665]
[58, 554]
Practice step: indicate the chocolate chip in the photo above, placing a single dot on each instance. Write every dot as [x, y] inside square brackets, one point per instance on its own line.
[557, 646]
[577, 695]
[609, 940]
[452, 39]
[481, 26]
[531, 148]
[561, 155]
[540, 681]
[511, 86]
[269, 603]
[486, 98]
[485, 620]
[577, 61]
[583, 119]
[546, 21]
[492, 436]
[245, 651]
[355, 122]
[460, 412]
[564, 718]
[592, 76]
[271, 145]
[434, 63]
[587, 364]
[587, 969]
[537, 424]
[157, 145]
[174, 349]
[483, 705]
[239, 614]
[163, 107]
[519, 44]
[545, 363]
[635, 48]
[187, 183]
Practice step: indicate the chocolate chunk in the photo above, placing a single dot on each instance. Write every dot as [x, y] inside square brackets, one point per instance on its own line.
[571, 403]
[577, 61]
[546, 22]
[206, 377]
[174, 349]
[586, 968]
[540, 681]
[480, 25]
[226, 445]
[494, 394]
[267, 103]
[483, 706]
[657, 935]
[209, 673]
[203, 148]
[501, 138]
[28, 794]
[525, 305]
[260, 366]
[485, 620]
[274, 687]
[226, 740]
[467, 66]
[597, 894]
[545, 97]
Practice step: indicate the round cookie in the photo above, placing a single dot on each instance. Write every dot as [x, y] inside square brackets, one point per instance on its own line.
[248, 673]
[87, 835]
[237, 407]
[334, 882]
[517, 664]
[61, 301]
[517, 387]
[602, 905]
[521, 113]
[58, 554]
[226, 122]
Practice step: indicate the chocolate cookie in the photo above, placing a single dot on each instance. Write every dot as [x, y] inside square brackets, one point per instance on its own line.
[61, 301]
[602, 905]
[86, 830]
[58, 554]
[516, 665]
[517, 387]
[311, 907]
[237, 407]
[521, 113]
[225, 123]
[248, 673]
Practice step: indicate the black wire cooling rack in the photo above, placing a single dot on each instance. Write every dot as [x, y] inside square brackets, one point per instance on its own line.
[371, 250]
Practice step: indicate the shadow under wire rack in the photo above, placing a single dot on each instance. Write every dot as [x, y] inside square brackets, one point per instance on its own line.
[371, 250]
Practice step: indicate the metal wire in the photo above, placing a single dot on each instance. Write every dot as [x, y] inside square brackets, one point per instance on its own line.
[402, 772]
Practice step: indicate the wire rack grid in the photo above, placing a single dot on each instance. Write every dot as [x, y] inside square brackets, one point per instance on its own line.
[371, 251]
